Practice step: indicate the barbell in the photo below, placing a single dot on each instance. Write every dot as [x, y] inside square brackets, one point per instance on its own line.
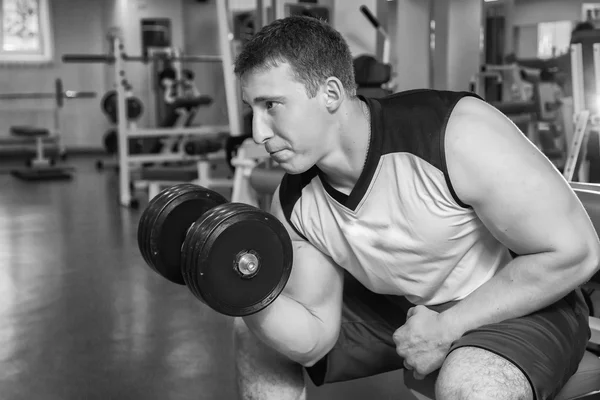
[111, 58]
[59, 94]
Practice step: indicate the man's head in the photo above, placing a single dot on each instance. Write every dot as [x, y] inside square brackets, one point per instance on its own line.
[295, 74]
[313, 49]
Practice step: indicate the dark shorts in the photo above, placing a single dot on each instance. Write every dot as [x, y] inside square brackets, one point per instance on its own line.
[546, 345]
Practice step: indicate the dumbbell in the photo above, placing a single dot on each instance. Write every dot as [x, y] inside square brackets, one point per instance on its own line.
[233, 257]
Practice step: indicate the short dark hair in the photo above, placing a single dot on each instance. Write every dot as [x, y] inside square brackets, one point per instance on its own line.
[314, 50]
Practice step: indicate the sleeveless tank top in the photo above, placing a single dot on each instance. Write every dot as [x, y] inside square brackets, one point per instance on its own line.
[402, 230]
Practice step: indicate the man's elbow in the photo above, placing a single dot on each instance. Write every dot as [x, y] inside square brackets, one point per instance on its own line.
[586, 260]
[320, 350]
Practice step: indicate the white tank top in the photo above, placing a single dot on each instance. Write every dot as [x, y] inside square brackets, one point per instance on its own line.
[402, 230]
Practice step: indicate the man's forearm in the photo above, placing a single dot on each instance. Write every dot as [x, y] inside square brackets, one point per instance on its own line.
[525, 285]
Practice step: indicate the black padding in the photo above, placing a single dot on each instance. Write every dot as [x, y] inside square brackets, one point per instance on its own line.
[42, 174]
[28, 131]
[369, 72]
[373, 92]
[192, 102]
[516, 107]
[176, 174]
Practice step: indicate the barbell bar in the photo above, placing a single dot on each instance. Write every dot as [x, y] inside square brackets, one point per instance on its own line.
[110, 59]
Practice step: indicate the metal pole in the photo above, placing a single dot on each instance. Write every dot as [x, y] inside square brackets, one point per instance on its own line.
[597, 78]
[260, 16]
[231, 82]
[123, 136]
[577, 78]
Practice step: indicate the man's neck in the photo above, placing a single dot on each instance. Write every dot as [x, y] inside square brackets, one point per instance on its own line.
[346, 159]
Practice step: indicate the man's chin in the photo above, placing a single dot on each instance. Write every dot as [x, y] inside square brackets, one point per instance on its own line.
[290, 168]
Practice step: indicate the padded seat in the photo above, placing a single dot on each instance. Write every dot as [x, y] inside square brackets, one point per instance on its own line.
[29, 131]
[585, 380]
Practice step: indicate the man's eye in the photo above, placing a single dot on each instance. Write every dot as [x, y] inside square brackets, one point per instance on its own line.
[269, 105]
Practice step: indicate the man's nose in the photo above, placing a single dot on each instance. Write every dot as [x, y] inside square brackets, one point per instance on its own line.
[261, 131]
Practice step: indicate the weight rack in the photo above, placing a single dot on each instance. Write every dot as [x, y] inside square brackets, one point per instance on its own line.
[583, 117]
[128, 129]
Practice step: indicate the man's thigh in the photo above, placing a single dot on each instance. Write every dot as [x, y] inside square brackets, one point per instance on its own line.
[546, 346]
[533, 355]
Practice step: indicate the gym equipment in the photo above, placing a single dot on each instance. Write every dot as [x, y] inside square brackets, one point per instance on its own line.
[200, 146]
[23, 134]
[59, 94]
[189, 106]
[233, 257]
[586, 106]
[134, 107]
[129, 129]
[41, 167]
[111, 143]
[373, 77]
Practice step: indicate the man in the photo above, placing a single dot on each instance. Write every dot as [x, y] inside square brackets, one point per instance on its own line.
[404, 214]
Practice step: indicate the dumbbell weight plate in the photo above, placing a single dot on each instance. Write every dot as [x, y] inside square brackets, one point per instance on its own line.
[165, 222]
[218, 254]
[146, 227]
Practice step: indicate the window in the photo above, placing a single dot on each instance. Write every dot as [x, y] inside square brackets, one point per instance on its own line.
[26, 33]
[553, 38]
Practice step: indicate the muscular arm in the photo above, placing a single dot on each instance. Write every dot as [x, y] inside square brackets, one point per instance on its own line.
[303, 322]
[527, 205]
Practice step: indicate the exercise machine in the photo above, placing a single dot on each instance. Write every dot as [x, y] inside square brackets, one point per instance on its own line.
[374, 77]
[128, 129]
[586, 111]
[41, 166]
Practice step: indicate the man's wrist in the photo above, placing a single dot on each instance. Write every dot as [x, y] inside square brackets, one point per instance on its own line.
[455, 326]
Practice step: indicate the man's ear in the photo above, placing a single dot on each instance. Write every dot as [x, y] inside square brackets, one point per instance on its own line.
[334, 93]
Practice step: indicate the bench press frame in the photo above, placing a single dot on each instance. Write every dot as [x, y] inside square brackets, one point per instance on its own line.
[203, 166]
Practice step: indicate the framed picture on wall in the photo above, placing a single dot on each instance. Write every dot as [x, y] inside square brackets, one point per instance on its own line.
[25, 33]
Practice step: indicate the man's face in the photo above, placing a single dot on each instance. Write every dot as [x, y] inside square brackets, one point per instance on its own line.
[292, 126]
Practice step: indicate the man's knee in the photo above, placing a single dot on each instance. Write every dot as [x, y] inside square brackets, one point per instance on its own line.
[471, 373]
[248, 346]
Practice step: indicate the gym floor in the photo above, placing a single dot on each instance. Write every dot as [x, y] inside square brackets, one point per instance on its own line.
[83, 317]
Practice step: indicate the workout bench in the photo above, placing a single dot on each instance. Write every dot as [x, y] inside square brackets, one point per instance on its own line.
[41, 167]
[157, 179]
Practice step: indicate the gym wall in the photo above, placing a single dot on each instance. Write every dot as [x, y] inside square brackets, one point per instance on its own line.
[74, 30]
[535, 11]
[77, 29]
[529, 13]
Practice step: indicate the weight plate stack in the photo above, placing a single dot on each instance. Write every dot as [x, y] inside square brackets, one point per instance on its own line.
[237, 259]
[165, 222]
